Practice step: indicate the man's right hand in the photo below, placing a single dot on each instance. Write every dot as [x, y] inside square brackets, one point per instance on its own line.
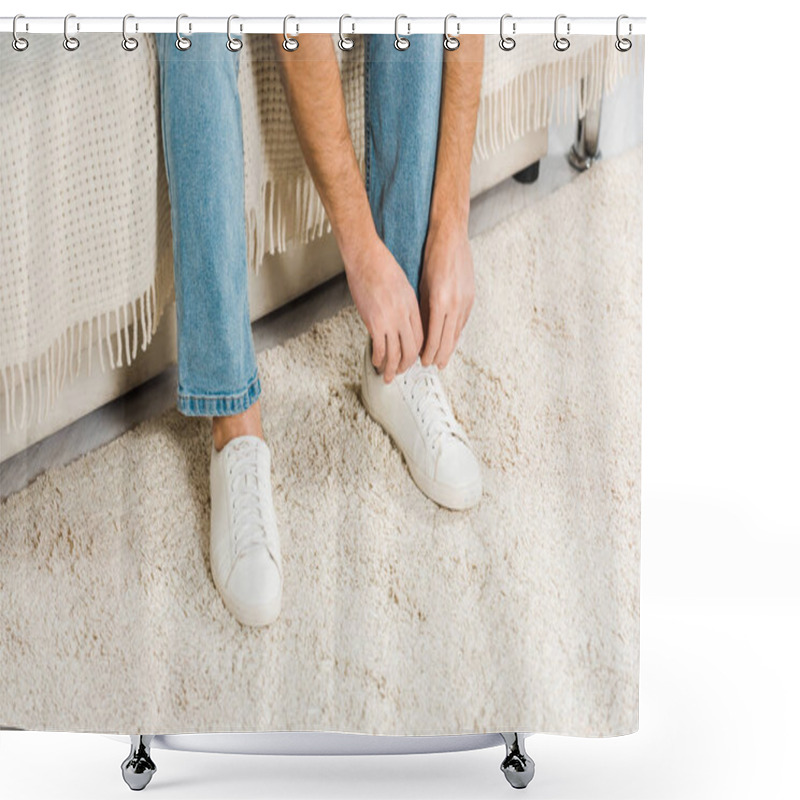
[388, 305]
[384, 297]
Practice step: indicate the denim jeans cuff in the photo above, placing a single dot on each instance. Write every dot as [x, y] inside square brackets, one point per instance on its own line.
[224, 405]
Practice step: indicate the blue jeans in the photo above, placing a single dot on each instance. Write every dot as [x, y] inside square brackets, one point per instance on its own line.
[203, 152]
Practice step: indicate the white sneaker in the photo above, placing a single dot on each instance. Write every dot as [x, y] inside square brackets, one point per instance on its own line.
[245, 548]
[414, 411]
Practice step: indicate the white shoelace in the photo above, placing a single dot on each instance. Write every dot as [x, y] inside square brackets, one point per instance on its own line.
[425, 394]
[249, 526]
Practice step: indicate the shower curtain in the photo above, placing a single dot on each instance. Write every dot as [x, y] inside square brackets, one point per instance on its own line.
[320, 369]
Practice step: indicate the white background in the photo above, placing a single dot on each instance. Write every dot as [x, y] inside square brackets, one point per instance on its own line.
[720, 554]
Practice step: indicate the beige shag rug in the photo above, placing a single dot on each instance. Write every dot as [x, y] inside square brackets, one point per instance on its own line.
[399, 617]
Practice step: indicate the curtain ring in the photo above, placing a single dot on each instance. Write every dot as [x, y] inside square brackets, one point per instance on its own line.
[290, 44]
[345, 43]
[181, 42]
[400, 42]
[128, 42]
[18, 43]
[234, 45]
[561, 43]
[624, 44]
[507, 42]
[70, 42]
[451, 42]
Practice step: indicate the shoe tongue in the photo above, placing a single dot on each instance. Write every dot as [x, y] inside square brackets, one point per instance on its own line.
[245, 441]
[417, 372]
[244, 452]
[248, 447]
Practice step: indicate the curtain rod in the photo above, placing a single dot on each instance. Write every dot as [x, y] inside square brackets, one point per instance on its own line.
[512, 26]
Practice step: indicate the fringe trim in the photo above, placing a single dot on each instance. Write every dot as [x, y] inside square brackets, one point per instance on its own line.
[528, 102]
[287, 209]
[33, 388]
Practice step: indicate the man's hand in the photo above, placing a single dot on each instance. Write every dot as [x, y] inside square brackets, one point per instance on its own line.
[388, 305]
[382, 294]
[447, 291]
[447, 283]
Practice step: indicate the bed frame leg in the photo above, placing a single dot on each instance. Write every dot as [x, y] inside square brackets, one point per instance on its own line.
[138, 768]
[517, 766]
[529, 174]
[585, 149]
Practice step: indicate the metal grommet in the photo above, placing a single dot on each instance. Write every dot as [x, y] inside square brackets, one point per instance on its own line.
[561, 43]
[18, 43]
[451, 42]
[507, 42]
[70, 42]
[234, 45]
[345, 43]
[181, 42]
[623, 44]
[400, 42]
[128, 42]
[290, 44]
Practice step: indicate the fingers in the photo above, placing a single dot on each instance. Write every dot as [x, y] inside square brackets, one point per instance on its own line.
[378, 349]
[434, 335]
[414, 337]
[445, 324]
[448, 342]
[393, 355]
[416, 328]
[408, 350]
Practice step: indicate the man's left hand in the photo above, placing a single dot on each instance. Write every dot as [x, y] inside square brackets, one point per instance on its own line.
[447, 291]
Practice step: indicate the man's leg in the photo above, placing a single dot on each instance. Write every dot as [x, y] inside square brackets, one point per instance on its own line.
[202, 138]
[217, 375]
[402, 92]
